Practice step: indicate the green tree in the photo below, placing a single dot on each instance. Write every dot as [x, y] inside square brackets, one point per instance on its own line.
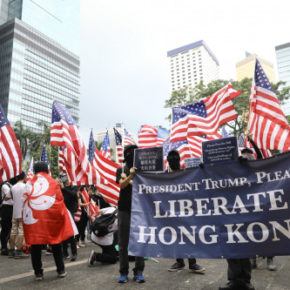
[187, 96]
[23, 135]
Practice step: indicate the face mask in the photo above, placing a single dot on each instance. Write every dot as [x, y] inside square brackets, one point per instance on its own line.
[174, 163]
[129, 159]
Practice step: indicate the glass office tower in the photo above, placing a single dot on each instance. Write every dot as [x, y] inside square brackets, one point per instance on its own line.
[36, 69]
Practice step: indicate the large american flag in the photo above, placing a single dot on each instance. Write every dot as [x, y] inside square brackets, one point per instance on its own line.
[105, 150]
[204, 117]
[119, 146]
[64, 132]
[10, 152]
[267, 121]
[150, 136]
[106, 169]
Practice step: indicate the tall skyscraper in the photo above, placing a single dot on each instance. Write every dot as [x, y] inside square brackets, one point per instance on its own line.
[37, 67]
[245, 68]
[283, 68]
[191, 64]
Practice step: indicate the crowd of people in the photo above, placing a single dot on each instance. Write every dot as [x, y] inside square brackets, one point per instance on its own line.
[22, 220]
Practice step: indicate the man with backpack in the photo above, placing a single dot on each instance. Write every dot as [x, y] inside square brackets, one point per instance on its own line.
[103, 229]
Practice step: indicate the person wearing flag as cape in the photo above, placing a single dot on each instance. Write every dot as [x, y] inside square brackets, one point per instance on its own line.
[46, 219]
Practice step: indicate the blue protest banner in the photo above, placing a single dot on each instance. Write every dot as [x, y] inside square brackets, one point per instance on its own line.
[231, 210]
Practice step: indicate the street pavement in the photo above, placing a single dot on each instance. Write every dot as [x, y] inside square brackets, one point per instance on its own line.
[18, 274]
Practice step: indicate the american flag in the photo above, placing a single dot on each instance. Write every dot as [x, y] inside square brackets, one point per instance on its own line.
[92, 209]
[43, 156]
[106, 168]
[64, 132]
[150, 136]
[224, 133]
[267, 121]
[119, 146]
[105, 150]
[10, 152]
[192, 147]
[204, 117]
[30, 171]
[61, 161]
[128, 139]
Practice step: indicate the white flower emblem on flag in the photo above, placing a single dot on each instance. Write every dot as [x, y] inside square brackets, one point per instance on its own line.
[36, 199]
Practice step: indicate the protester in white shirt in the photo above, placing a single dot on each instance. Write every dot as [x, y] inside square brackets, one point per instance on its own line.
[17, 192]
[106, 242]
[6, 214]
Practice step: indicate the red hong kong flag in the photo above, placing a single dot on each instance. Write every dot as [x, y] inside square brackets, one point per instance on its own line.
[46, 219]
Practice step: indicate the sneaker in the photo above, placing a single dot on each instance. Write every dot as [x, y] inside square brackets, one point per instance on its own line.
[61, 274]
[92, 258]
[195, 268]
[4, 252]
[19, 254]
[123, 278]
[82, 245]
[66, 257]
[176, 267]
[139, 278]
[38, 277]
[73, 258]
[270, 264]
[11, 253]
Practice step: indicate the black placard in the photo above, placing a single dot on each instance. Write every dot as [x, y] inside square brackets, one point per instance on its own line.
[220, 150]
[149, 159]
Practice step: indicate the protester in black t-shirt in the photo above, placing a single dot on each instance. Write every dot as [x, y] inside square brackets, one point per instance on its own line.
[124, 178]
[71, 201]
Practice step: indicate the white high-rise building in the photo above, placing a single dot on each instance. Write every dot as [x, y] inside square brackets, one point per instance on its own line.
[191, 64]
[283, 67]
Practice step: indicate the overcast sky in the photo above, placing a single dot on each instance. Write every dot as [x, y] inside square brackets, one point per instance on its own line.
[124, 68]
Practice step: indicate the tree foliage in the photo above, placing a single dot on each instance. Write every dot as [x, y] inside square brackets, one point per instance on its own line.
[190, 95]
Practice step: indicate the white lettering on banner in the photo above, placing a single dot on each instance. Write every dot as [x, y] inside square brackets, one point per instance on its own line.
[185, 232]
[276, 226]
[151, 234]
[219, 205]
[256, 197]
[274, 199]
[235, 233]
[172, 235]
[213, 239]
[210, 184]
[224, 183]
[263, 176]
[263, 229]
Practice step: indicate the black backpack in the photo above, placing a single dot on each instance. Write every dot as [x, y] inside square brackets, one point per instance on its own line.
[100, 225]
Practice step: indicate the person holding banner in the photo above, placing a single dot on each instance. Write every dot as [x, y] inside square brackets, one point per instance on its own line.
[124, 177]
[239, 270]
[173, 159]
